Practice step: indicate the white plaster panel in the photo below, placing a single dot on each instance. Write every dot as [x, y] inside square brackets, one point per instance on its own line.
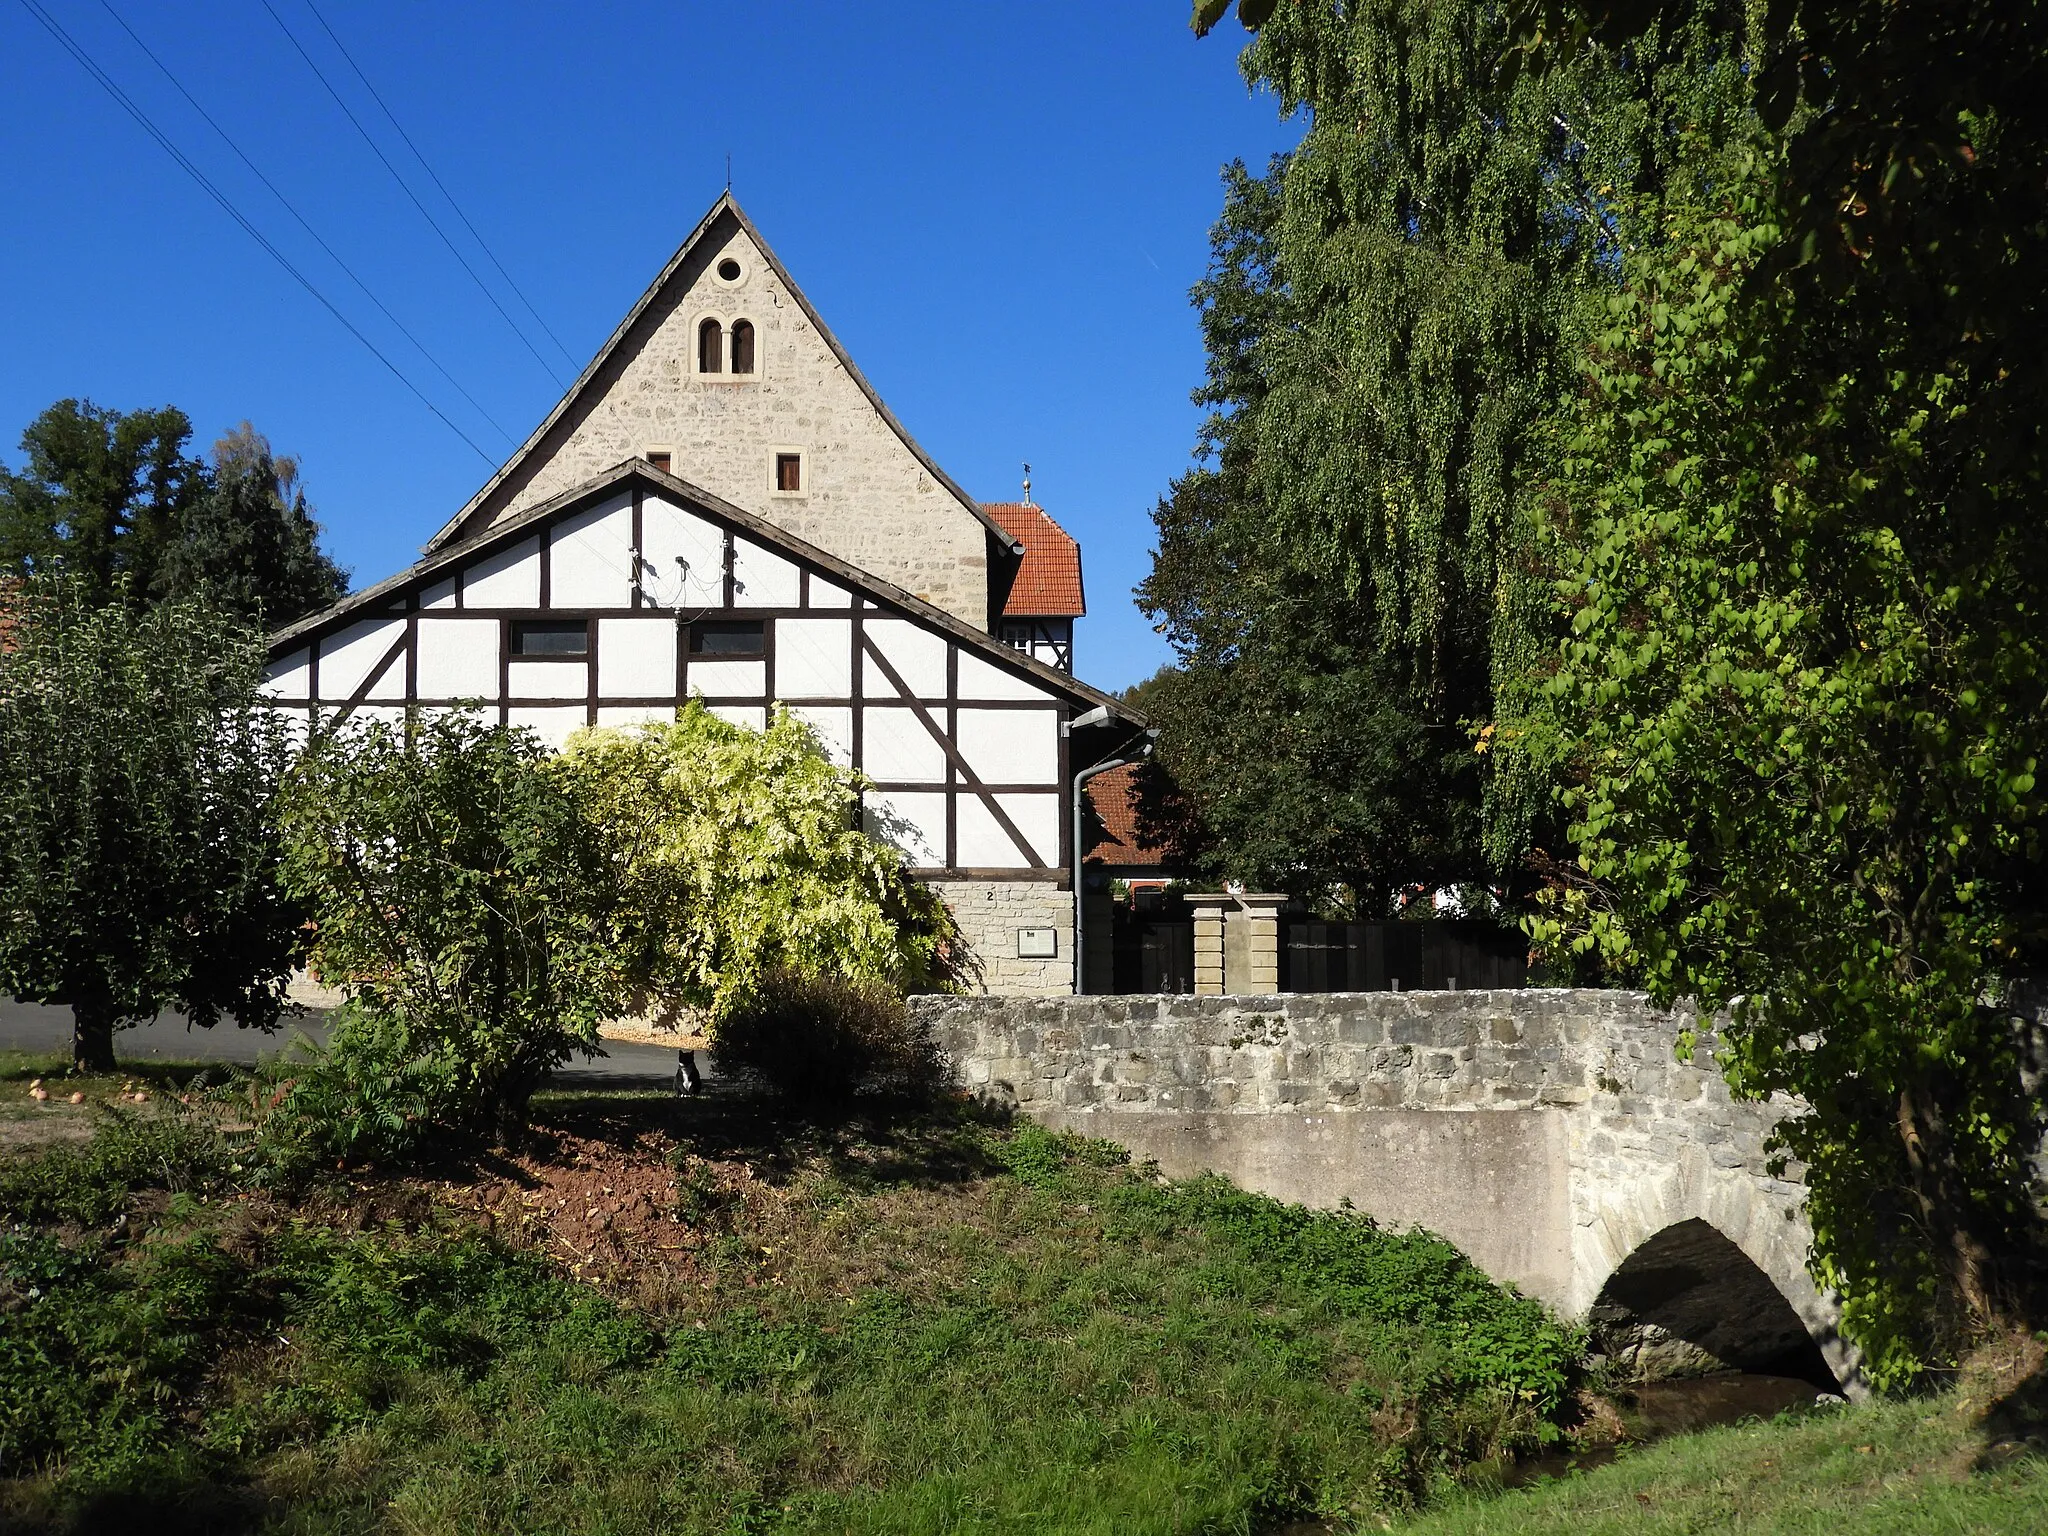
[458, 658]
[834, 728]
[440, 595]
[985, 845]
[981, 679]
[918, 655]
[913, 821]
[813, 658]
[296, 725]
[669, 532]
[548, 680]
[897, 749]
[740, 714]
[636, 658]
[728, 679]
[288, 676]
[346, 659]
[553, 726]
[1010, 746]
[624, 716]
[828, 594]
[764, 579]
[591, 557]
[510, 578]
[392, 715]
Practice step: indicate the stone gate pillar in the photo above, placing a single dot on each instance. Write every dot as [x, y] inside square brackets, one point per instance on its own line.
[1209, 907]
[1257, 972]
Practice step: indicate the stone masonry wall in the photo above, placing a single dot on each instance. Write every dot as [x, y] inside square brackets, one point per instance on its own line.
[868, 500]
[1550, 1133]
[990, 912]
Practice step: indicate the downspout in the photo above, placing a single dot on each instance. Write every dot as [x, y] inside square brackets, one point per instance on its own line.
[1123, 757]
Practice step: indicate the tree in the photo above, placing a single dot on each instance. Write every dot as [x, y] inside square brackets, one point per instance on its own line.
[738, 855]
[1803, 692]
[462, 901]
[99, 498]
[138, 773]
[1389, 313]
[250, 540]
[114, 503]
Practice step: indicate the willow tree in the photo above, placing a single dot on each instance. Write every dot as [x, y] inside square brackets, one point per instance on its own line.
[1389, 309]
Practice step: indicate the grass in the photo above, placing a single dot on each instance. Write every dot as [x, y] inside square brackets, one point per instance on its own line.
[694, 1318]
[1915, 1468]
[930, 1325]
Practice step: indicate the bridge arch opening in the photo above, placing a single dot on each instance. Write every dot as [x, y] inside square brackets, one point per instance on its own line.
[1689, 1302]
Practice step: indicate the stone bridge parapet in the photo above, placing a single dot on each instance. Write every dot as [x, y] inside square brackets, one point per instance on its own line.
[1551, 1133]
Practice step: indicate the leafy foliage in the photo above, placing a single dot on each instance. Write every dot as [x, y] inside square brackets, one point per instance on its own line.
[461, 899]
[138, 849]
[739, 854]
[250, 541]
[1802, 695]
[114, 504]
[821, 1039]
[1389, 312]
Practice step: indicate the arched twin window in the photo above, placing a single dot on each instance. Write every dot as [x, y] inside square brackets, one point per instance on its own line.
[713, 353]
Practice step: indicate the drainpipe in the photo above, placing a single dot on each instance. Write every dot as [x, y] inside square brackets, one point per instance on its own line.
[1135, 750]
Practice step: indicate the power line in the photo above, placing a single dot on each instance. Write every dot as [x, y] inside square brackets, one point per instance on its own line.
[405, 187]
[289, 208]
[482, 244]
[142, 119]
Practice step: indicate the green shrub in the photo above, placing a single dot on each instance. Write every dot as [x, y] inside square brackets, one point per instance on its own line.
[463, 901]
[90, 1185]
[365, 1097]
[823, 1039]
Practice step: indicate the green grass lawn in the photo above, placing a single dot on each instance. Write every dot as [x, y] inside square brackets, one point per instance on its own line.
[1900, 1469]
[699, 1318]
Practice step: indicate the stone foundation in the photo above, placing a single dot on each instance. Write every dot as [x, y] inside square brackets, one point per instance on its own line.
[991, 913]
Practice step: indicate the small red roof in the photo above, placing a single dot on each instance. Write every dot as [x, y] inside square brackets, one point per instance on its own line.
[1113, 797]
[1048, 584]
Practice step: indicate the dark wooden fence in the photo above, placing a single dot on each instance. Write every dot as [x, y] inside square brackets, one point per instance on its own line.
[1153, 952]
[1399, 957]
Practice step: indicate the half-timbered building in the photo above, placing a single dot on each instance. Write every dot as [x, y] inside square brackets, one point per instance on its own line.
[721, 507]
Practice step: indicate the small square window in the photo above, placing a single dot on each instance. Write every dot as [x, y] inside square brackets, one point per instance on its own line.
[550, 637]
[660, 459]
[789, 473]
[729, 637]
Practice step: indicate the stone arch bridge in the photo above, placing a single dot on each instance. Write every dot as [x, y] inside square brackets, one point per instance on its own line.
[1550, 1134]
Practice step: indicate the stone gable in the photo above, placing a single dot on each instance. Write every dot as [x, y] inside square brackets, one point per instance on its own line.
[867, 497]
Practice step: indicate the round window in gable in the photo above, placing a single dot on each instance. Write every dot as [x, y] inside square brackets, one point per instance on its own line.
[730, 271]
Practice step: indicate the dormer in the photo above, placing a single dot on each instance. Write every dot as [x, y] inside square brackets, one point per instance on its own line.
[1045, 595]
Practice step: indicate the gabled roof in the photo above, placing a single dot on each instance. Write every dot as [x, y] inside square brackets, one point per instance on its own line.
[1048, 583]
[457, 526]
[759, 529]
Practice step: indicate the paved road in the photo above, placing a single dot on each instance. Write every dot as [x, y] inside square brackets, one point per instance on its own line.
[29, 1027]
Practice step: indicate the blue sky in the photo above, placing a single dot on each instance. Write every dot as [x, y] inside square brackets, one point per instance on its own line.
[999, 209]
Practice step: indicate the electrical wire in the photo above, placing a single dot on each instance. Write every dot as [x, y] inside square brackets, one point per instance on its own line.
[405, 187]
[70, 45]
[289, 208]
[426, 166]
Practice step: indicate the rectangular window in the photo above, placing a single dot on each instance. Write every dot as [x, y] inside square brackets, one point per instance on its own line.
[659, 458]
[729, 637]
[1017, 636]
[550, 637]
[789, 472]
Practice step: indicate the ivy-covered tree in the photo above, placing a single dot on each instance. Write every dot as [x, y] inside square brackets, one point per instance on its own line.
[1389, 312]
[250, 540]
[739, 855]
[138, 852]
[115, 504]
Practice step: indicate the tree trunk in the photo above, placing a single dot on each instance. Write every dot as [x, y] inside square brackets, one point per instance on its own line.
[1968, 1262]
[92, 1037]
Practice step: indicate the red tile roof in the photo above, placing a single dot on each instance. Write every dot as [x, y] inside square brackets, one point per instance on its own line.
[1048, 583]
[1113, 798]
